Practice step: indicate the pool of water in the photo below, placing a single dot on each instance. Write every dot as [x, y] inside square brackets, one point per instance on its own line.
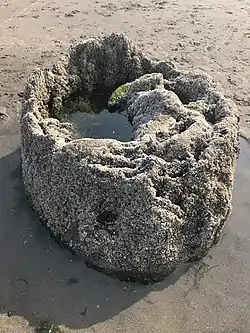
[101, 125]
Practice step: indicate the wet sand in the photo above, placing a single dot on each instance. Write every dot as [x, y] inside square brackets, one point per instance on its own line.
[40, 280]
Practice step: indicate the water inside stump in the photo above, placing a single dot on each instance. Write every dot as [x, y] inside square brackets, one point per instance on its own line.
[102, 125]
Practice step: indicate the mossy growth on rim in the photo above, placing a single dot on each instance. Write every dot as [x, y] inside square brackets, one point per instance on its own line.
[118, 94]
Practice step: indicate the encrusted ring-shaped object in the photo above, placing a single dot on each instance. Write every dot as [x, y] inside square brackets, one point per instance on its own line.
[133, 209]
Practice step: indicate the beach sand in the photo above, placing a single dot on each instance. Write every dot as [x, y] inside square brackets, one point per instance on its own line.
[39, 280]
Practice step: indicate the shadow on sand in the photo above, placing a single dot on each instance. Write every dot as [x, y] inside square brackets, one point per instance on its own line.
[39, 280]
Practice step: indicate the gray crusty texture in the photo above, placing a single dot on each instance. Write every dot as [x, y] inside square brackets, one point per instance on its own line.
[133, 209]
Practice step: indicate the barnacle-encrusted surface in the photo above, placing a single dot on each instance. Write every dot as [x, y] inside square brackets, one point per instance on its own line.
[135, 209]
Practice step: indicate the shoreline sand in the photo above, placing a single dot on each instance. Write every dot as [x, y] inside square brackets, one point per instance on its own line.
[41, 281]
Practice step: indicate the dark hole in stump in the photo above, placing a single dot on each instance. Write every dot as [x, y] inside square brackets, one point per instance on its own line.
[107, 220]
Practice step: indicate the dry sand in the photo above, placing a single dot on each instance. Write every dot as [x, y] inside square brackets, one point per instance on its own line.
[38, 279]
